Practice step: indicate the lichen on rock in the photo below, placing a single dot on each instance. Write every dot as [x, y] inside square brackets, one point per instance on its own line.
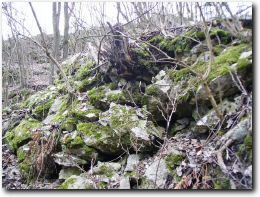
[21, 134]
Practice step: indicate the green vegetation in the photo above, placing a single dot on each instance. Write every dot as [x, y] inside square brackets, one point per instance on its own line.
[220, 67]
[67, 183]
[224, 36]
[83, 115]
[96, 95]
[21, 134]
[245, 150]
[243, 64]
[69, 124]
[117, 98]
[222, 184]
[83, 71]
[41, 111]
[152, 90]
[21, 152]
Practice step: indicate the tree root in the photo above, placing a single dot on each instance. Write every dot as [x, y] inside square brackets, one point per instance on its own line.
[220, 158]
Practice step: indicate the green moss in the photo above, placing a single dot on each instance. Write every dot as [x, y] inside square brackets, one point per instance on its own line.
[217, 50]
[22, 152]
[89, 151]
[156, 39]
[69, 124]
[96, 94]
[222, 184]
[143, 52]
[248, 141]
[173, 160]
[243, 64]
[179, 44]
[102, 185]
[152, 90]
[82, 115]
[87, 128]
[105, 170]
[25, 169]
[67, 183]
[241, 150]
[86, 84]
[177, 75]
[95, 130]
[117, 98]
[21, 155]
[224, 36]
[113, 86]
[77, 142]
[41, 111]
[60, 116]
[220, 67]
[102, 138]
[21, 134]
[245, 149]
[83, 71]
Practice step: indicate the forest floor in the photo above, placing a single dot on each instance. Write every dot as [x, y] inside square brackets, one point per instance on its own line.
[12, 178]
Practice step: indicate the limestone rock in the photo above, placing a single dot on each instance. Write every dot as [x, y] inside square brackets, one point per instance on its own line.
[67, 160]
[210, 120]
[124, 183]
[132, 162]
[65, 173]
[157, 172]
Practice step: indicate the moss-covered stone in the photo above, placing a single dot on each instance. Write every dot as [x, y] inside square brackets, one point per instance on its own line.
[65, 173]
[221, 67]
[41, 102]
[83, 71]
[173, 160]
[107, 169]
[22, 152]
[87, 83]
[21, 134]
[63, 112]
[41, 111]
[243, 64]
[179, 44]
[102, 96]
[224, 37]
[117, 98]
[67, 183]
[222, 184]
[73, 141]
[100, 137]
[96, 95]
[69, 124]
[85, 112]
[152, 90]
[245, 151]
[26, 170]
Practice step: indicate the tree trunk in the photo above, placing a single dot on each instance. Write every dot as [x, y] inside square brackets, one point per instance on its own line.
[56, 32]
[66, 31]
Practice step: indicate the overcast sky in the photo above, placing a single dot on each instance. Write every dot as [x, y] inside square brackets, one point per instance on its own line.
[44, 14]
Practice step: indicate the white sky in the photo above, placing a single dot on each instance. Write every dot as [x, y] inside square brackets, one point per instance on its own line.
[44, 14]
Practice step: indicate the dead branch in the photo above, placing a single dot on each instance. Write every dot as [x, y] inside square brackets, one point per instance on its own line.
[48, 54]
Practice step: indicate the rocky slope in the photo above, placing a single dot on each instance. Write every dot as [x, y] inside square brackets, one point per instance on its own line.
[143, 124]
